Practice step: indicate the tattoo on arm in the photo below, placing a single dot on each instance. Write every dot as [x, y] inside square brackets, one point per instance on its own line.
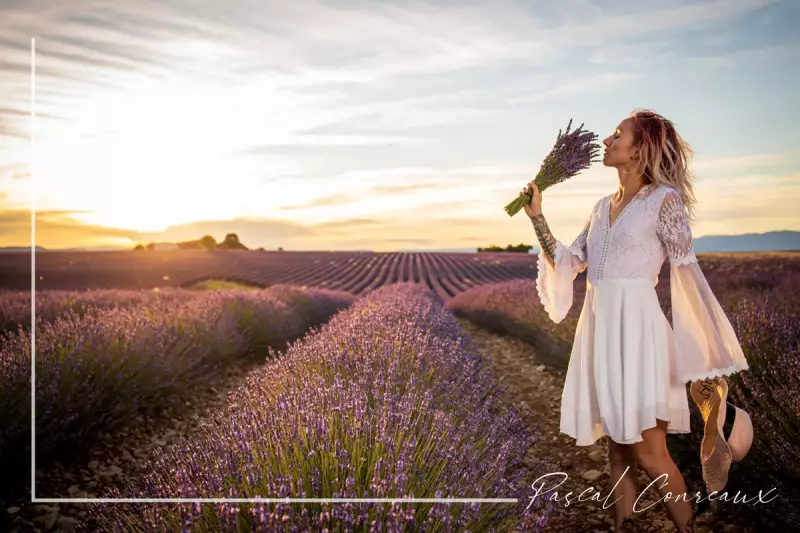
[546, 238]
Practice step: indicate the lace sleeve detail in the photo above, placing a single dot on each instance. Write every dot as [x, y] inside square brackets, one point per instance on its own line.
[674, 231]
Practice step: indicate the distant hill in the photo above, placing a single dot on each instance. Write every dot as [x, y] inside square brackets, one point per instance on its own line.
[21, 249]
[749, 242]
[772, 241]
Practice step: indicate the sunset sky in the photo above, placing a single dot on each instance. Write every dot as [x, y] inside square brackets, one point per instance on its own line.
[378, 125]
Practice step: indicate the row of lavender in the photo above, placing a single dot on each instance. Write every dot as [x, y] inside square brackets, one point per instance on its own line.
[16, 309]
[354, 272]
[387, 400]
[108, 357]
[767, 324]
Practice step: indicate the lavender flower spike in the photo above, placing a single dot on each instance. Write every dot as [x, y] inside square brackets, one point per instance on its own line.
[572, 153]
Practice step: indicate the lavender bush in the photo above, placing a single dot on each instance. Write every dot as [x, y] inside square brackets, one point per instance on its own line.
[386, 400]
[513, 307]
[313, 305]
[770, 392]
[15, 306]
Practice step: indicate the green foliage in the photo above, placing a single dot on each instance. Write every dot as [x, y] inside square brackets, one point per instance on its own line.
[207, 242]
[519, 248]
[223, 285]
[231, 242]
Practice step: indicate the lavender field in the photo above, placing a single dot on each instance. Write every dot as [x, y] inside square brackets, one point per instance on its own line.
[385, 400]
[393, 402]
[356, 380]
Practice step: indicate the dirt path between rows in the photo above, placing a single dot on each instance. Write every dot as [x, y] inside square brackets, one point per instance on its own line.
[536, 390]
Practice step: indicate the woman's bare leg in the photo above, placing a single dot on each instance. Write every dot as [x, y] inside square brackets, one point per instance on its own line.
[620, 457]
[653, 456]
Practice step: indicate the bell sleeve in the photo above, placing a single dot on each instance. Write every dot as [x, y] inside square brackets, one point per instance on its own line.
[704, 340]
[555, 285]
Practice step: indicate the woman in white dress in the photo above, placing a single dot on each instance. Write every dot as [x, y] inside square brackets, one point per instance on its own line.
[628, 367]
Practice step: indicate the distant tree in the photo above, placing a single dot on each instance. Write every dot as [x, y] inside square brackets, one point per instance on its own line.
[138, 248]
[208, 242]
[280, 248]
[492, 248]
[189, 245]
[231, 242]
[519, 248]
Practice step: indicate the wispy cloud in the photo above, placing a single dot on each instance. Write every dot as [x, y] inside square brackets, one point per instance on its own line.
[737, 58]
[330, 200]
[57, 229]
[755, 209]
[623, 54]
[652, 18]
[594, 83]
[62, 229]
[761, 183]
[716, 165]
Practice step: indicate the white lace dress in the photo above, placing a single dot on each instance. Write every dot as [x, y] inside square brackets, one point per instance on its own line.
[628, 366]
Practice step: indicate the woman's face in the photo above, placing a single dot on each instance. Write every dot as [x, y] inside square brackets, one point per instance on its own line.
[620, 150]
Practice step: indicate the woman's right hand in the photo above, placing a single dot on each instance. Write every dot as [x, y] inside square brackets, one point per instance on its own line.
[534, 207]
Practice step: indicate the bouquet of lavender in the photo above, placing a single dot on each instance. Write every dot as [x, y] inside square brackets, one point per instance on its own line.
[572, 153]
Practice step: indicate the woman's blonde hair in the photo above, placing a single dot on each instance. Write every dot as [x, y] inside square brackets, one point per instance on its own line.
[663, 155]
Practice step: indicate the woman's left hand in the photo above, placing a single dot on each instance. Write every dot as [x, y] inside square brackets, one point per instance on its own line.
[534, 206]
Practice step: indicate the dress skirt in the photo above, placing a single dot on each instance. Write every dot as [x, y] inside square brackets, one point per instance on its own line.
[622, 371]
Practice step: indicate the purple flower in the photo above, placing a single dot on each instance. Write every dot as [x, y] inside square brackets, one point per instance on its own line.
[572, 152]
